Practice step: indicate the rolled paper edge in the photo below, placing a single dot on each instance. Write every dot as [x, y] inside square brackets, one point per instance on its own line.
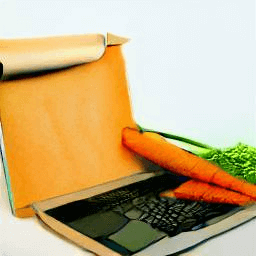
[65, 52]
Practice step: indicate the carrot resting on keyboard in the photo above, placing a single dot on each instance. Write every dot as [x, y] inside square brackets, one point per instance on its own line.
[181, 162]
[201, 191]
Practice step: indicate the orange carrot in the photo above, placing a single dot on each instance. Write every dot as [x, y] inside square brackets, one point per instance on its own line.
[201, 191]
[181, 162]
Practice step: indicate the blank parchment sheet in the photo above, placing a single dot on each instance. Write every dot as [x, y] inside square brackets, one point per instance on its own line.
[191, 72]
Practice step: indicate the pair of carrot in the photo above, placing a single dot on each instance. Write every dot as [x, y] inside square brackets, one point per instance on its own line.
[167, 155]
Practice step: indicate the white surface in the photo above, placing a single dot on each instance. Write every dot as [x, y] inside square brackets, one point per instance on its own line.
[191, 69]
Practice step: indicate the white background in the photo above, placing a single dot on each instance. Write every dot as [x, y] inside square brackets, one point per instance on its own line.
[191, 71]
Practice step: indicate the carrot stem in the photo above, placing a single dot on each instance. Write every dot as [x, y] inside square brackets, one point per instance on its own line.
[176, 137]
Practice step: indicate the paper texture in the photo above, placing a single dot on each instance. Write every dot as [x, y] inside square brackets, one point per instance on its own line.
[62, 130]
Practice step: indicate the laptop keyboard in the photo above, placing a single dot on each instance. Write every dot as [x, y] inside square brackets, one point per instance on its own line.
[141, 202]
[174, 216]
[170, 215]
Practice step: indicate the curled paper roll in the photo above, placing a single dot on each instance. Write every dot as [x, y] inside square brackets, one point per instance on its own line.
[20, 56]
